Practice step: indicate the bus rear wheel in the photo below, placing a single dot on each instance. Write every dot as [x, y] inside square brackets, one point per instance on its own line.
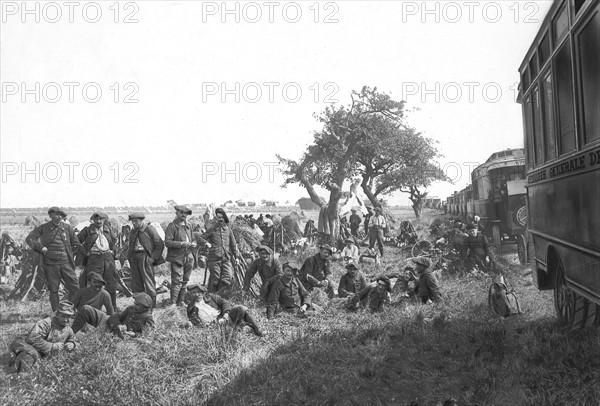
[522, 249]
[571, 308]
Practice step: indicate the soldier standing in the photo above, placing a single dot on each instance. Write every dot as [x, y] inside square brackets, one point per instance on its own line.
[180, 242]
[56, 241]
[98, 244]
[355, 221]
[145, 252]
[223, 252]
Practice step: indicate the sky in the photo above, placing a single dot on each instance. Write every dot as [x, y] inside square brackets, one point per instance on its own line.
[137, 103]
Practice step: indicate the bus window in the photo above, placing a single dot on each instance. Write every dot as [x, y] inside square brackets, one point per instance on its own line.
[562, 69]
[544, 50]
[548, 117]
[588, 40]
[560, 24]
[537, 127]
[528, 132]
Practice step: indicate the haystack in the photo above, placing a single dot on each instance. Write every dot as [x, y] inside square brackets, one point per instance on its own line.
[245, 236]
[32, 220]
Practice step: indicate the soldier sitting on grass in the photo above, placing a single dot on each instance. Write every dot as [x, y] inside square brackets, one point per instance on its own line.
[94, 295]
[374, 296]
[428, 288]
[130, 322]
[205, 308]
[47, 337]
[288, 294]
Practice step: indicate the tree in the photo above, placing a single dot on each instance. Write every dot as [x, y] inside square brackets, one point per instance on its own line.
[332, 157]
[399, 159]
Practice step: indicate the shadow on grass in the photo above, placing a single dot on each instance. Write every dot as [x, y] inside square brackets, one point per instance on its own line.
[427, 360]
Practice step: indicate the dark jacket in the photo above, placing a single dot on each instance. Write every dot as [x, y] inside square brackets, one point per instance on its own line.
[44, 234]
[288, 295]
[428, 286]
[222, 240]
[371, 298]
[151, 242]
[349, 285]
[355, 220]
[314, 270]
[175, 235]
[134, 321]
[268, 271]
[478, 246]
[88, 236]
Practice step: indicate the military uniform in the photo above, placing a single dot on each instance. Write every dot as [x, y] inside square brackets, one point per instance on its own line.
[97, 246]
[269, 271]
[181, 259]
[58, 264]
[315, 270]
[145, 252]
[287, 295]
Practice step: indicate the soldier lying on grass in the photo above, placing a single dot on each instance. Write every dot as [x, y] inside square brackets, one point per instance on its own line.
[205, 308]
[130, 322]
[374, 296]
[47, 337]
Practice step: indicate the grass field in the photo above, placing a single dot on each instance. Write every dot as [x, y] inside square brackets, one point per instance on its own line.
[409, 354]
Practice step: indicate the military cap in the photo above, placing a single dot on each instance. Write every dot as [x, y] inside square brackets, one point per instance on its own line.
[222, 212]
[326, 247]
[183, 209]
[93, 276]
[351, 265]
[57, 210]
[136, 216]
[292, 266]
[348, 240]
[378, 209]
[99, 214]
[264, 248]
[352, 209]
[66, 307]
[142, 298]
[471, 227]
[422, 261]
[196, 286]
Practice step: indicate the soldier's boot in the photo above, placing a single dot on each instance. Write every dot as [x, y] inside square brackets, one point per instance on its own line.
[113, 300]
[181, 296]
[175, 294]
[252, 323]
[153, 302]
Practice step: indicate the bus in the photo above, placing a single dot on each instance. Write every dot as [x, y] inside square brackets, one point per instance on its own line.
[499, 198]
[559, 93]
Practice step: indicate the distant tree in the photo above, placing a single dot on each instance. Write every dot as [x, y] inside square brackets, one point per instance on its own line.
[400, 159]
[332, 157]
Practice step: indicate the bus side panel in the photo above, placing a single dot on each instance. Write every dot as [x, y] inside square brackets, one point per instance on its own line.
[559, 208]
[582, 271]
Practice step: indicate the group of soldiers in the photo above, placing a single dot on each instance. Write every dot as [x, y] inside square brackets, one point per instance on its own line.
[91, 298]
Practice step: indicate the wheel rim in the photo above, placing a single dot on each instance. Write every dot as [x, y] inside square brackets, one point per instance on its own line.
[564, 298]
